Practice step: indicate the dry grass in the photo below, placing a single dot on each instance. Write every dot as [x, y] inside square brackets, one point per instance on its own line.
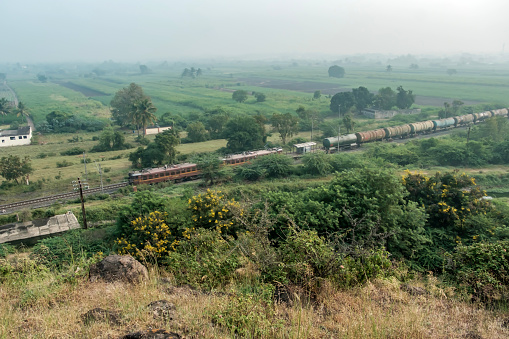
[380, 309]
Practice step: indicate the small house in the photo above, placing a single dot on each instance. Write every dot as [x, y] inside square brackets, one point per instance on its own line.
[21, 136]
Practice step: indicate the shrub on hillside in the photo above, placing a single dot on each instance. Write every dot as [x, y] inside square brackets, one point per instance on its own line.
[482, 270]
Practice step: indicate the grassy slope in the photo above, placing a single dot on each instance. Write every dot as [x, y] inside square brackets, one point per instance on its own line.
[43, 305]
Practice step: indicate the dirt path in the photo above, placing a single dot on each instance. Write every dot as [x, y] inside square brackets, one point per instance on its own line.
[16, 102]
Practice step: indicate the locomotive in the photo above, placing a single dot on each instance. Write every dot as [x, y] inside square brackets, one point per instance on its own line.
[401, 131]
[191, 171]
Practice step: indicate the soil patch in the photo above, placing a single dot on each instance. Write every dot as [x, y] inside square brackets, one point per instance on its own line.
[301, 86]
[328, 88]
[88, 92]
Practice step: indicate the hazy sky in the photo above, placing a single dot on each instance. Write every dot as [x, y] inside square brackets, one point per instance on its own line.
[151, 30]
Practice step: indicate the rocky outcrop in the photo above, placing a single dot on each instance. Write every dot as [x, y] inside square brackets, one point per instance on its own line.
[152, 334]
[118, 268]
[99, 314]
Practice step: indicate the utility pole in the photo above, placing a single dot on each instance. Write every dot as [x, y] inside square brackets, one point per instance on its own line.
[78, 186]
[100, 173]
[85, 162]
[339, 124]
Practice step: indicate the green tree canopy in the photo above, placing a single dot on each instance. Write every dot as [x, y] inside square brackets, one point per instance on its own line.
[196, 132]
[13, 167]
[385, 99]
[239, 95]
[243, 133]
[285, 124]
[344, 99]
[143, 113]
[167, 142]
[404, 99]
[363, 98]
[336, 71]
[122, 105]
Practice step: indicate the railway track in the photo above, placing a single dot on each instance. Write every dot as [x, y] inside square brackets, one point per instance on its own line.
[47, 201]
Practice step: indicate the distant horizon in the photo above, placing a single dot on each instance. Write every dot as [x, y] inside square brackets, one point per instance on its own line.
[56, 31]
[370, 57]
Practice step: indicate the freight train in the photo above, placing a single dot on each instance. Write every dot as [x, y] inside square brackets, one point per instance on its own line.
[389, 133]
[190, 171]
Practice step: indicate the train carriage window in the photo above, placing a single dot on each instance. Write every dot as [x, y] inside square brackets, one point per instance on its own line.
[189, 169]
[173, 173]
[144, 177]
[156, 175]
[150, 177]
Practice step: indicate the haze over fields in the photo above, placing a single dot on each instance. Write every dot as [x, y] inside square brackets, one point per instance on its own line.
[131, 31]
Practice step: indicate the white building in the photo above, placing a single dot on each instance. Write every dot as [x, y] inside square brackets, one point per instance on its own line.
[23, 136]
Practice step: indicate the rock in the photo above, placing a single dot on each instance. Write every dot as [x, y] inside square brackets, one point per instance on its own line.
[413, 290]
[472, 335]
[162, 309]
[99, 314]
[152, 334]
[505, 323]
[118, 268]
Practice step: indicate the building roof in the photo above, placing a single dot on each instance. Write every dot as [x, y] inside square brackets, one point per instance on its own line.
[306, 144]
[25, 130]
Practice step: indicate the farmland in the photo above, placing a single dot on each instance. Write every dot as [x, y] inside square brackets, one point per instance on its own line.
[286, 86]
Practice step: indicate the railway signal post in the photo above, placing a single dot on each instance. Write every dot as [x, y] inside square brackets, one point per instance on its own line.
[77, 186]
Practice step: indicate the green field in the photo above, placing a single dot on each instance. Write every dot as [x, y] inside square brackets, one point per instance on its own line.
[286, 88]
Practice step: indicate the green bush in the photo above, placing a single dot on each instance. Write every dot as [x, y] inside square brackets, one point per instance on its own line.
[482, 270]
[71, 247]
[64, 163]
[73, 151]
[205, 258]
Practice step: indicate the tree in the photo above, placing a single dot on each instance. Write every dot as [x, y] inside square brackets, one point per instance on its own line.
[211, 167]
[456, 106]
[239, 96]
[349, 123]
[22, 111]
[144, 113]
[5, 107]
[388, 68]
[344, 99]
[216, 124]
[404, 99]
[260, 97]
[144, 69]
[385, 99]
[167, 142]
[336, 71]
[243, 133]
[57, 119]
[414, 66]
[317, 95]
[452, 71]
[308, 116]
[199, 72]
[110, 140]
[12, 167]
[122, 105]
[42, 78]
[363, 98]
[286, 125]
[196, 132]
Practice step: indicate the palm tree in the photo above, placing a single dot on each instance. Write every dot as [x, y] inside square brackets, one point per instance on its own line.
[144, 113]
[4, 107]
[22, 111]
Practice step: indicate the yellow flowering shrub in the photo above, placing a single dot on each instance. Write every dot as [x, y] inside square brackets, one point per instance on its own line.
[150, 237]
[211, 210]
